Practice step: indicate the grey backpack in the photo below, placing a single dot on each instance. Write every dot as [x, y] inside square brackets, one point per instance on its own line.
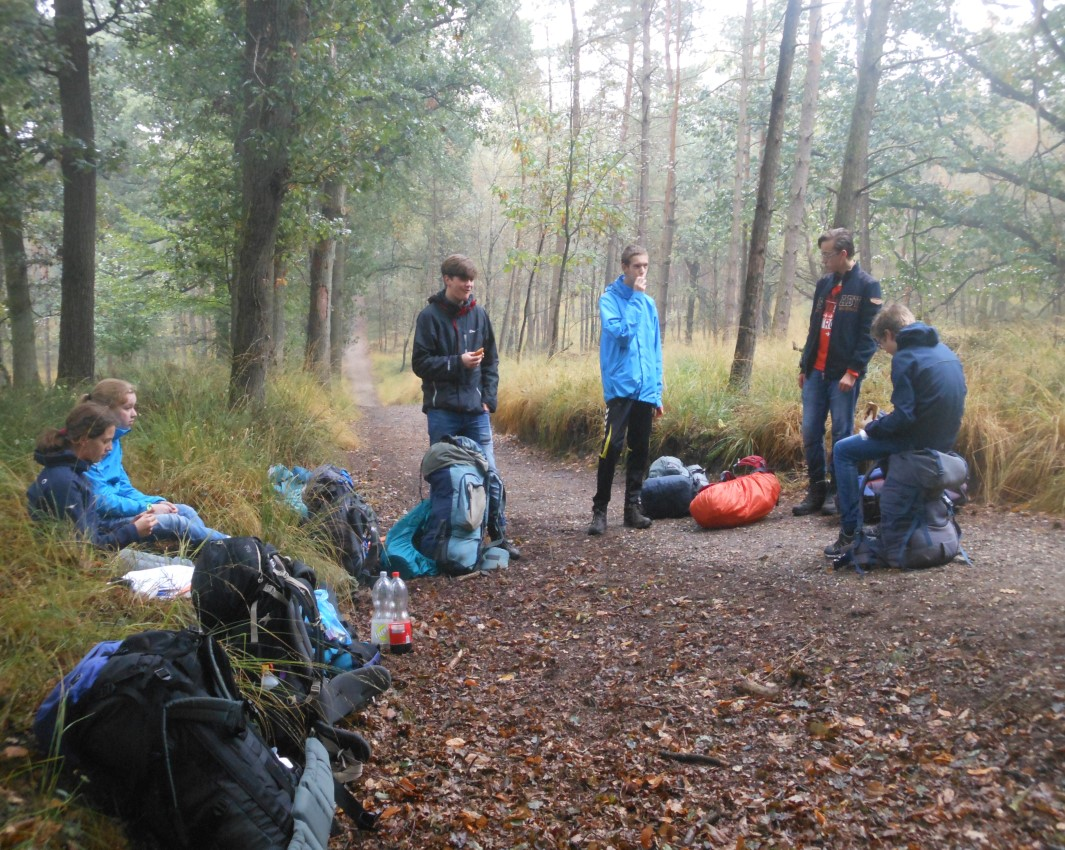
[917, 524]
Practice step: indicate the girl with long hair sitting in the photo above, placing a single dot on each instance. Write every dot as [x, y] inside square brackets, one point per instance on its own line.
[116, 497]
[62, 489]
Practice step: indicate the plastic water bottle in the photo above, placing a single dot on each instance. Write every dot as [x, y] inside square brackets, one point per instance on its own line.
[381, 595]
[400, 636]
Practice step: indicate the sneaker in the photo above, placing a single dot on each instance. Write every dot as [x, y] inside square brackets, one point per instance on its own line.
[844, 543]
[598, 525]
[512, 550]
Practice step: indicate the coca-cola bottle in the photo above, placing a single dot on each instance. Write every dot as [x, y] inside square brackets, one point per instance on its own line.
[400, 637]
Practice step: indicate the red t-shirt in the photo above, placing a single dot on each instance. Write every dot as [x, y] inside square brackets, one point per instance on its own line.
[826, 326]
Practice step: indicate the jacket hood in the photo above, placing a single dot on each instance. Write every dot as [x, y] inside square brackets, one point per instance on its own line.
[452, 309]
[63, 457]
[917, 335]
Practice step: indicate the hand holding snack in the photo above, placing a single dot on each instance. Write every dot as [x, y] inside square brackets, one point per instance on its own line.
[472, 359]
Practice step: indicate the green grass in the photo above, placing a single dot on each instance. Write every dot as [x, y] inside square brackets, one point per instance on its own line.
[57, 604]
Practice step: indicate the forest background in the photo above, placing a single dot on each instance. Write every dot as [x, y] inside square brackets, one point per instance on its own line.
[211, 180]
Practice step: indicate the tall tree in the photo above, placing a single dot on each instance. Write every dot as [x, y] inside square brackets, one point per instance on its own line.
[276, 31]
[747, 335]
[643, 201]
[851, 184]
[565, 233]
[16, 275]
[739, 170]
[78, 163]
[669, 207]
[793, 235]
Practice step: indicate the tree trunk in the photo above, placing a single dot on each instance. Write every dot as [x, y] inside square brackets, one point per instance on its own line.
[276, 30]
[851, 184]
[739, 174]
[340, 313]
[643, 202]
[317, 352]
[565, 236]
[793, 230]
[621, 193]
[669, 209]
[277, 310]
[77, 159]
[16, 275]
[747, 335]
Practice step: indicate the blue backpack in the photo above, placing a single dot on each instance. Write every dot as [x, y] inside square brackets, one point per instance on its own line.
[457, 529]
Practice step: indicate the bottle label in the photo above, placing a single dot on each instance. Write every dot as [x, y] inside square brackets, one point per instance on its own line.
[400, 636]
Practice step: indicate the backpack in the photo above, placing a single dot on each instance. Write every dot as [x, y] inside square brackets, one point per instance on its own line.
[166, 741]
[737, 500]
[872, 483]
[402, 543]
[340, 516]
[917, 524]
[670, 486]
[263, 605]
[456, 533]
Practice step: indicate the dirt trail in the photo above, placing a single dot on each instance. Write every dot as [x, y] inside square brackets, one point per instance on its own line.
[904, 709]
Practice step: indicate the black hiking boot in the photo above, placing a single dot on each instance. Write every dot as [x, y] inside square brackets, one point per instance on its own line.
[512, 550]
[598, 525]
[815, 499]
[829, 508]
[634, 517]
[844, 543]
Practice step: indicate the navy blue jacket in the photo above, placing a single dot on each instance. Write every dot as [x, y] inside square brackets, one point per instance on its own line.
[62, 491]
[928, 392]
[444, 332]
[849, 345]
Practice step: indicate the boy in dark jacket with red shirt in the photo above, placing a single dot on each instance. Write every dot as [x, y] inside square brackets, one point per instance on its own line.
[455, 356]
[838, 348]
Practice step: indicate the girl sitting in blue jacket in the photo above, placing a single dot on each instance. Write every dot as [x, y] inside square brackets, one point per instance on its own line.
[116, 498]
[63, 491]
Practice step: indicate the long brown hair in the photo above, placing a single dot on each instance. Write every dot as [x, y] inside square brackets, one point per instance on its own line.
[110, 392]
[87, 419]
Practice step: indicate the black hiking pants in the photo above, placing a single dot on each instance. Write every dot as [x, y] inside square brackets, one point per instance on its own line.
[628, 423]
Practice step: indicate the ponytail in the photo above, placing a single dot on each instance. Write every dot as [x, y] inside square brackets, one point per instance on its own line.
[87, 419]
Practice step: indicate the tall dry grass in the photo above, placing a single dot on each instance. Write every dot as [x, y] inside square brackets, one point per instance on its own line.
[57, 602]
[1012, 434]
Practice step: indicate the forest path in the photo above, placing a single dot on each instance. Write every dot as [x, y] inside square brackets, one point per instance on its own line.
[923, 707]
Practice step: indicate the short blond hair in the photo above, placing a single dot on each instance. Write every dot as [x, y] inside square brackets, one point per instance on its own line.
[893, 318]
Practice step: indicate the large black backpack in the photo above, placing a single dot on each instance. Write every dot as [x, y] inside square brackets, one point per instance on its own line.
[341, 517]
[262, 605]
[167, 743]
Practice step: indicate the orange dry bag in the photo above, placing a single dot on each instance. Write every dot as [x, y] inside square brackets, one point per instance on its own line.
[737, 500]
